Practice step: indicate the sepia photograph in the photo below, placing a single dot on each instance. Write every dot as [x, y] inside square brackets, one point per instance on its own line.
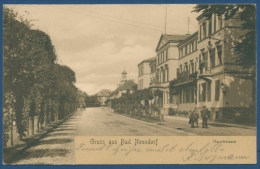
[113, 83]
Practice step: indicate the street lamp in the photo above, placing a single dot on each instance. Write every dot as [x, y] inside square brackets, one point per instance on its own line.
[223, 87]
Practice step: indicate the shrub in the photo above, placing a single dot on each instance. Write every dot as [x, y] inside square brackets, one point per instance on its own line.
[171, 111]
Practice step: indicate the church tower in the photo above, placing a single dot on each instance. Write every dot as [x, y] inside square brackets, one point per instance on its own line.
[124, 79]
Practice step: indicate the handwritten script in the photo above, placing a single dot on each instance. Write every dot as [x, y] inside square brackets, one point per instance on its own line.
[188, 152]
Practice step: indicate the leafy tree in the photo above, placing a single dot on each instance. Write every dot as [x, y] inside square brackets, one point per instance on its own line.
[34, 84]
[28, 56]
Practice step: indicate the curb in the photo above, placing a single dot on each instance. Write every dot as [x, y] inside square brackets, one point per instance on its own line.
[8, 160]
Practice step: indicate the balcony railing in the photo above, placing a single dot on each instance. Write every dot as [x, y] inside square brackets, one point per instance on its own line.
[185, 77]
[155, 84]
[205, 71]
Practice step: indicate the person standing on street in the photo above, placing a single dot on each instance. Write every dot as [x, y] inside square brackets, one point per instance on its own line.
[205, 116]
[191, 122]
[195, 118]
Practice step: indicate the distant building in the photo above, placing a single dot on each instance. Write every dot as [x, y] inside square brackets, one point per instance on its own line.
[144, 71]
[125, 86]
[103, 95]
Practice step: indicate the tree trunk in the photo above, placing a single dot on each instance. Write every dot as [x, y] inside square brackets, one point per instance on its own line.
[18, 105]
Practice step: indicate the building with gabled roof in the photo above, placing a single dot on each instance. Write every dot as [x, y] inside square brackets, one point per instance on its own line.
[125, 86]
[166, 64]
[103, 95]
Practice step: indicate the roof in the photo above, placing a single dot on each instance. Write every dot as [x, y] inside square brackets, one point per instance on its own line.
[126, 85]
[175, 37]
[147, 60]
[124, 72]
[188, 38]
[104, 92]
[169, 39]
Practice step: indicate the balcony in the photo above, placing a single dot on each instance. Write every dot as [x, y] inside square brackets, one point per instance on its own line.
[205, 73]
[155, 84]
[185, 77]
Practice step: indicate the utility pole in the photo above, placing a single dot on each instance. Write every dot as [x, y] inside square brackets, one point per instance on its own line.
[165, 19]
[188, 25]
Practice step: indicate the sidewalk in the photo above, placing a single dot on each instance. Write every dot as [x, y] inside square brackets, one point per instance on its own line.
[209, 122]
[10, 152]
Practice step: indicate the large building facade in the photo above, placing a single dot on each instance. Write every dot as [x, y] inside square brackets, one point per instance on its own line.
[166, 64]
[203, 70]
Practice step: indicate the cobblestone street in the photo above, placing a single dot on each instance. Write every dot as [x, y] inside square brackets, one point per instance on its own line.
[58, 146]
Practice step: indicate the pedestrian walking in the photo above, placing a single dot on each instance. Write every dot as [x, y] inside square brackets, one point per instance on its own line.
[195, 118]
[205, 116]
[190, 118]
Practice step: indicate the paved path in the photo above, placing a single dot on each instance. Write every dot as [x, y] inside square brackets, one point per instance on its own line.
[58, 146]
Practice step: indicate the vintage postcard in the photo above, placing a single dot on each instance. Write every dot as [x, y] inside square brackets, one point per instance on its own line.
[129, 84]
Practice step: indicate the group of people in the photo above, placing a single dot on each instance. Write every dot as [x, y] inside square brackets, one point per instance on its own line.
[194, 117]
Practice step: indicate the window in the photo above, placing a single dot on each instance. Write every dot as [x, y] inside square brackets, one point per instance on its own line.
[181, 54]
[163, 75]
[219, 22]
[187, 95]
[204, 30]
[216, 113]
[212, 57]
[186, 67]
[215, 23]
[192, 94]
[219, 49]
[217, 89]
[192, 66]
[192, 47]
[157, 75]
[205, 58]
[202, 92]
[185, 48]
[210, 26]
[209, 92]
[162, 56]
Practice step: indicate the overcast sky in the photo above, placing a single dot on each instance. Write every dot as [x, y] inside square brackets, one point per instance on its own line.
[99, 41]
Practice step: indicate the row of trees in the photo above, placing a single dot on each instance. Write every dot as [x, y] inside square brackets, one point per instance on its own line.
[92, 101]
[34, 84]
[138, 103]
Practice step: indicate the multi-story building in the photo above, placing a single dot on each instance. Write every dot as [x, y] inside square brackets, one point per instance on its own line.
[203, 71]
[144, 72]
[222, 84]
[185, 83]
[166, 64]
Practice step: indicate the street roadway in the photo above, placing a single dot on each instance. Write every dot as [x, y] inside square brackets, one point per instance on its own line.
[58, 146]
